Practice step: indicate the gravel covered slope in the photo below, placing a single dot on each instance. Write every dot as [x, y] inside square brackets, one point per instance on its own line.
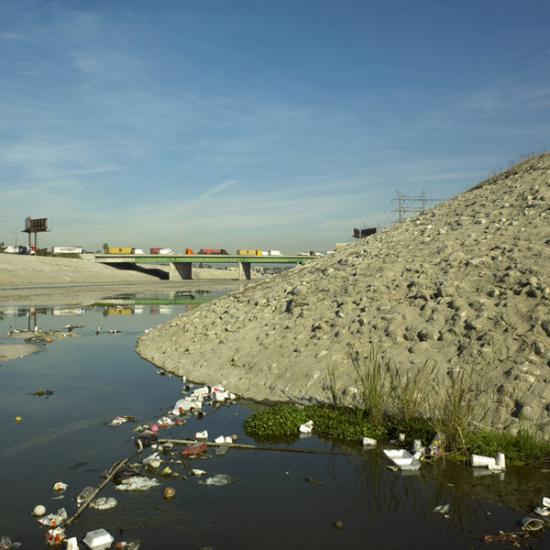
[466, 285]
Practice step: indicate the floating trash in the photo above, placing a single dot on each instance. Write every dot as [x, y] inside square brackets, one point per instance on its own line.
[144, 441]
[194, 450]
[55, 536]
[84, 495]
[532, 524]
[104, 503]
[54, 520]
[43, 393]
[137, 483]
[442, 509]
[497, 464]
[60, 486]
[38, 511]
[403, 459]
[118, 420]
[219, 480]
[223, 440]
[369, 442]
[98, 539]
[154, 460]
[306, 428]
[168, 492]
[7, 544]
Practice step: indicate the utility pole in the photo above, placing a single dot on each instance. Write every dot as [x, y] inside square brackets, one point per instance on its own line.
[412, 208]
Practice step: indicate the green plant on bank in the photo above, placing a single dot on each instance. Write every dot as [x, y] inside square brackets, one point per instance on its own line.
[281, 422]
[521, 448]
[453, 414]
[333, 386]
[372, 374]
[389, 402]
[408, 391]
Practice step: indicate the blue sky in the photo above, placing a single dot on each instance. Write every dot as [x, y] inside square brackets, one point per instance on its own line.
[253, 123]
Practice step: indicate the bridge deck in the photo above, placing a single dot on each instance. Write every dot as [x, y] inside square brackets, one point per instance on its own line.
[199, 258]
[181, 265]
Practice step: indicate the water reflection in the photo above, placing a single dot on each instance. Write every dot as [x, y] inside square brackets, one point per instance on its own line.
[96, 378]
[114, 305]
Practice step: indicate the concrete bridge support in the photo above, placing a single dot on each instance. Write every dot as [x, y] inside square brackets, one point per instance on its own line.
[180, 271]
[245, 271]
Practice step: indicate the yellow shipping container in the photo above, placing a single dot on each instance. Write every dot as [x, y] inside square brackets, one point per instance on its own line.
[119, 250]
[248, 252]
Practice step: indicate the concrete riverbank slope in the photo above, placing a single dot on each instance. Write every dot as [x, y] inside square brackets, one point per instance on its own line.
[464, 286]
[16, 270]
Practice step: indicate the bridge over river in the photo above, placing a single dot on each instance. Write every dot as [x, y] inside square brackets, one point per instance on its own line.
[181, 265]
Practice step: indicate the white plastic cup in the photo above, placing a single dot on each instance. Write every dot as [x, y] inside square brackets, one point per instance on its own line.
[501, 461]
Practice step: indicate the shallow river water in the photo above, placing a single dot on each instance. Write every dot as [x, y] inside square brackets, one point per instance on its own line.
[278, 500]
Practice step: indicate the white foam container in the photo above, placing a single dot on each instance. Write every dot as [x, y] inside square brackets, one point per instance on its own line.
[479, 461]
[98, 539]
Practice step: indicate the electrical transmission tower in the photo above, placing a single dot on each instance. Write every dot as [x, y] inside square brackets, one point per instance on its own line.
[403, 210]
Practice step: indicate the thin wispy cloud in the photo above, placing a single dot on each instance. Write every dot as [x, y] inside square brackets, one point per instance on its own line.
[220, 188]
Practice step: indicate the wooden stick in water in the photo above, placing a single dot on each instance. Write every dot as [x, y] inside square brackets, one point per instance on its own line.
[249, 447]
[114, 469]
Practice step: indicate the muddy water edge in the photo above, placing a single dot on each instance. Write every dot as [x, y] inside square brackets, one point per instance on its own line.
[344, 498]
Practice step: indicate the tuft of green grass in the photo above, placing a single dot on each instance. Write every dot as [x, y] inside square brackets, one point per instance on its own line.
[408, 391]
[372, 373]
[453, 416]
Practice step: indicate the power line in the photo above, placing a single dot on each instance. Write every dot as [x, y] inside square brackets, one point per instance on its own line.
[403, 209]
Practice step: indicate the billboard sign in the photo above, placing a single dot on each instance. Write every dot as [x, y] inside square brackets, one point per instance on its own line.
[36, 225]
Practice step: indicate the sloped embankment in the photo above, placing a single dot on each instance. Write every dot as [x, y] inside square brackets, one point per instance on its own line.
[465, 285]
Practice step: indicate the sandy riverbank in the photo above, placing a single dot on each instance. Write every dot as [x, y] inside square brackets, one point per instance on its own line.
[464, 286]
[8, 352]
[29, 280]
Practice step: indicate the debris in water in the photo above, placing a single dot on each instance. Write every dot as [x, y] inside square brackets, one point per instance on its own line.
[168, 492]
[403, 459]
[98, 539]
[104, 503]
[43, 393]
[219, 480]
[306, 428]
[54, 520]
[59, 487]
[194, 450]
[118, 420]
[532, 524]
[55, 536]
[38, 511]
[84, 495]
[7, 544]
[137, 483]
